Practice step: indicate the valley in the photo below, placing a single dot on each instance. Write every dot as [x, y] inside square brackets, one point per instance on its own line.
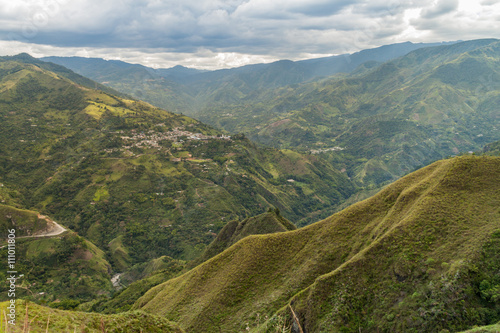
[320, 196]
[376, 119]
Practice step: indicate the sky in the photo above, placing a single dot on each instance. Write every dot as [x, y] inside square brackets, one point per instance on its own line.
[214, 34]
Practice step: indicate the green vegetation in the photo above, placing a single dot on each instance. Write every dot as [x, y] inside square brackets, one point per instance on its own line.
[234, 231]
[138, 182]
[492, 149]
[150, 274]
[138, 280]
[59, 269]
[421, 255]
[35, 318]
[485, 329]
[25, 222]
[389, 118]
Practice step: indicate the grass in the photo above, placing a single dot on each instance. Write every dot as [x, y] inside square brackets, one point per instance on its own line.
[402, 260]
[485, 329]
[234, 231]
[31, 317]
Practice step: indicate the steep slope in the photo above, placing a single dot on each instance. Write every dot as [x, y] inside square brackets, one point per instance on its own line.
[137, 181]
[157, 271]
[25, 222]
[234, 231]
[164, 268]
[61, 270]
[56, 264]
[421, 255]
[62, 71]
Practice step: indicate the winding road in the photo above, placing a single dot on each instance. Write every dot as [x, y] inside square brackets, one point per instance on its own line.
[53, 229]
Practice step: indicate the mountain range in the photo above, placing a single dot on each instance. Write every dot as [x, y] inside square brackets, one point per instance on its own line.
[383, 113]
[135, 218]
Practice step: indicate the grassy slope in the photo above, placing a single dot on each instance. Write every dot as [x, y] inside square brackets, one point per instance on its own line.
[400, 261]
[138, 280]
[43, 319]
[148, 275]
[67, 158]
[485, 329]
[233, 231]
[25, 222]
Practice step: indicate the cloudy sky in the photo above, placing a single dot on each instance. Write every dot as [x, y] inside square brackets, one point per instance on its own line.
[213, 34]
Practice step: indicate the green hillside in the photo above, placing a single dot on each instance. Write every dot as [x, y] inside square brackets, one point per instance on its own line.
[25, 222]
[137, 281]
[492, 149]
[37, 319]
[147, 275]
[485, 329]
[429, 104]
[60, 271]
[419, 256]
[396, 112]
[138, 181]
[234, 231]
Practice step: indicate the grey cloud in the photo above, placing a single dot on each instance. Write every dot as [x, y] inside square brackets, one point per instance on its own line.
[440, 8]
[255, 29]
[322, 8]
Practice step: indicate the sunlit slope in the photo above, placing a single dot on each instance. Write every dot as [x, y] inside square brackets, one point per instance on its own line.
[410, 258]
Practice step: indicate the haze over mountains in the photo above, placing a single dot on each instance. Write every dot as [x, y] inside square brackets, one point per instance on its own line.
[178, 226]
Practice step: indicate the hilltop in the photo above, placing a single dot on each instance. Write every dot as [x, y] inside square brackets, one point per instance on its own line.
[420, 255]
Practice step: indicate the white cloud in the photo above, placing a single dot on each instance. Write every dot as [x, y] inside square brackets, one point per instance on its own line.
[211, 33]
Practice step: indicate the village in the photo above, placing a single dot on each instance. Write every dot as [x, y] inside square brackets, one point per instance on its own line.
[153, 139]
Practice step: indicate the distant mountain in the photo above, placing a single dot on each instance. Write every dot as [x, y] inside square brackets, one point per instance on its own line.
[431, 103]
[420, 256]
[388, 118]
[187, 90]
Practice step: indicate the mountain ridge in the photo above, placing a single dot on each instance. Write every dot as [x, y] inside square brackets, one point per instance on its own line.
[274, 270]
